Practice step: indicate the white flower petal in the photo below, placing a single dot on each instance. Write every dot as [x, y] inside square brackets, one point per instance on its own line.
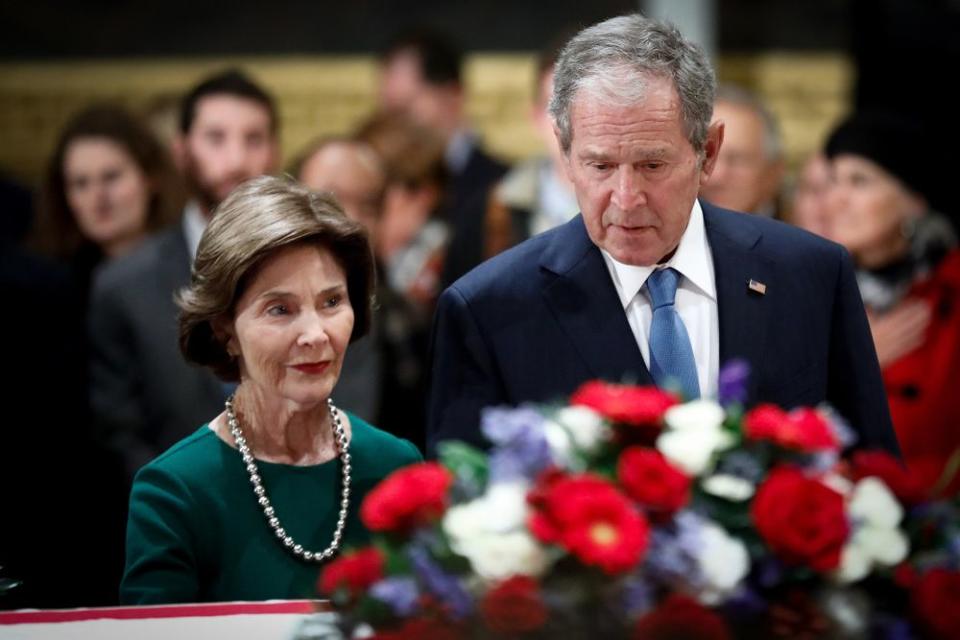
[496, 557]
[854, 564]
[699, 414]
[723, 560]
[885, 546]
[692, 450]
[729, 487]
[873, 502]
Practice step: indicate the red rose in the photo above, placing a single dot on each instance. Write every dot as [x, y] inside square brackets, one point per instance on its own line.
[628, 404]
[801, 519]
[906, 486]
[407, 498]
[514, 606]
[653, 482]
[590, 518]
[803, 429]
[681, 617]
[935, 601]
[422, 629]
[354, 571]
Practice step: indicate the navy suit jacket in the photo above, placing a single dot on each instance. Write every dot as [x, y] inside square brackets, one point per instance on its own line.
[535, 322]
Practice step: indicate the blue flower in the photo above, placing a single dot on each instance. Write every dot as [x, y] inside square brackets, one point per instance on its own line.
[636, 597]
[674, 549]
[742, 465]
[442, 585]
[733, 380]
[520, 446]
[400, 593]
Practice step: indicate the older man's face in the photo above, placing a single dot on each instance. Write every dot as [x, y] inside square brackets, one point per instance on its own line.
[635, 173]
[746, 178]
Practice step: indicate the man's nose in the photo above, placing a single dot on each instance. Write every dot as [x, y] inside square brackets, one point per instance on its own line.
[629, 190]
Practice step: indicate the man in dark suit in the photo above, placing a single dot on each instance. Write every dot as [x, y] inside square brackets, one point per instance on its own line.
[421, 77]
[144, 395]
[648, 284]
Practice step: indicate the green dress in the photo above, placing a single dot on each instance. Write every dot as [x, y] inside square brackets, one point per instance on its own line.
[195, 532]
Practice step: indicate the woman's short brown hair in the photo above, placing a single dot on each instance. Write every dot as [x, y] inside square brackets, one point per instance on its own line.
[257, 219]
[57, 232]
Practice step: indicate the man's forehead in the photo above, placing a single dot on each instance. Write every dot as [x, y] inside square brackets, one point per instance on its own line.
[224, 110]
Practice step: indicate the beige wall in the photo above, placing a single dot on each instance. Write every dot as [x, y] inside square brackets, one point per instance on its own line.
[324, 95]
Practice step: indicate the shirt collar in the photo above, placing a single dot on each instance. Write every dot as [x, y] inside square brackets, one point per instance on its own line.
[194, 222]
[692, 259]
[458, 151]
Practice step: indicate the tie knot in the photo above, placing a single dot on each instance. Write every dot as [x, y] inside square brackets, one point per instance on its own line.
[662, 285]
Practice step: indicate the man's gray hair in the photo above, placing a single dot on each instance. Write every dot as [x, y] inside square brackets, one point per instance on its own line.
[613, 58]
[740, 97]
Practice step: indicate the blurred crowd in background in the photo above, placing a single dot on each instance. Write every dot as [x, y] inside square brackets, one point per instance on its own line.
[90, 262]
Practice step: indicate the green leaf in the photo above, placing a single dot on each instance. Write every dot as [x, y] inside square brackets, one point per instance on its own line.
[467, 463]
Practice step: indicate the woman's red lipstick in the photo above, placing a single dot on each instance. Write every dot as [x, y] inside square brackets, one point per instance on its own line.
[312, 367]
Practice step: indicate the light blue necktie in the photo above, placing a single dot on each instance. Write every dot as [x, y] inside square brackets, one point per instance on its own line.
[671, 356]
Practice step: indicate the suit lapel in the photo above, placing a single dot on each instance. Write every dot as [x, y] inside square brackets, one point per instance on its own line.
[582, 297]
[742, 312]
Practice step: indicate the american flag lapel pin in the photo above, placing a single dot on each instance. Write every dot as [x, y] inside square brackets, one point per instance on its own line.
[757, 287]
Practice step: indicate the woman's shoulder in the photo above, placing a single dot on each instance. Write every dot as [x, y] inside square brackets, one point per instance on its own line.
[192, 456]
[369, 444]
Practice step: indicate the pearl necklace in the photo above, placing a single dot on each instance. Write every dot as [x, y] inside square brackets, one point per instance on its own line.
[342, 444]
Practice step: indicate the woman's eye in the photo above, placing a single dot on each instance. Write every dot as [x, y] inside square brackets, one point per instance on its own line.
[334, 301]
[277, 310]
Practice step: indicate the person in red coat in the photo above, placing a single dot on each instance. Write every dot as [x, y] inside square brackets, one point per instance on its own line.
[879, 204]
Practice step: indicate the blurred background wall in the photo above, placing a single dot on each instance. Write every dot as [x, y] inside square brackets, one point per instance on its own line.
[810, 61]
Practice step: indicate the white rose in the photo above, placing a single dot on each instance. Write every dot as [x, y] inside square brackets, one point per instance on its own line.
[730, 487]
[699, 414]
[693, 449]
[573, 428]
[854, 564]
[499, 556]
[876, 539]
[585, 425]
[886, 546]
[465, 520]
[873, 503]
[506, 506]
[723, 562]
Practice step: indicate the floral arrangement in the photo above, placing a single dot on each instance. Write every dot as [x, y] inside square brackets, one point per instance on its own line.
[630, 514]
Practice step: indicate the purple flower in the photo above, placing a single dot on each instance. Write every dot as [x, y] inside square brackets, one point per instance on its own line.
[637, 597]
[734, 378]
[769, 572]
[842, 431]
[520, 447]
[442, 585]
[503, 425]
[400, 593]
[674, 550]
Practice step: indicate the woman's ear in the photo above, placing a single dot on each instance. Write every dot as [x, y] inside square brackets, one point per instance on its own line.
[224, 333]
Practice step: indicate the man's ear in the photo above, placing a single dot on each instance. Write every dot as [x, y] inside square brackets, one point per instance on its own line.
[564, 154]
[711, 150]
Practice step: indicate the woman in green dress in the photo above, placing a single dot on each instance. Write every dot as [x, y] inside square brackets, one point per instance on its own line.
[251, 504]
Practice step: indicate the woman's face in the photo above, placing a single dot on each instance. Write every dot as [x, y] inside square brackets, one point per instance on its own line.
[291, 327]
[867, 209]
[107, 192]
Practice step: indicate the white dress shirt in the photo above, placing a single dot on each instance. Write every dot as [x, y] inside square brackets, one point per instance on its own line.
[194, 222]
[696, 300]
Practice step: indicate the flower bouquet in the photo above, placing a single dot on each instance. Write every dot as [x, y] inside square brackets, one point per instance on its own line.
[629, 514]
